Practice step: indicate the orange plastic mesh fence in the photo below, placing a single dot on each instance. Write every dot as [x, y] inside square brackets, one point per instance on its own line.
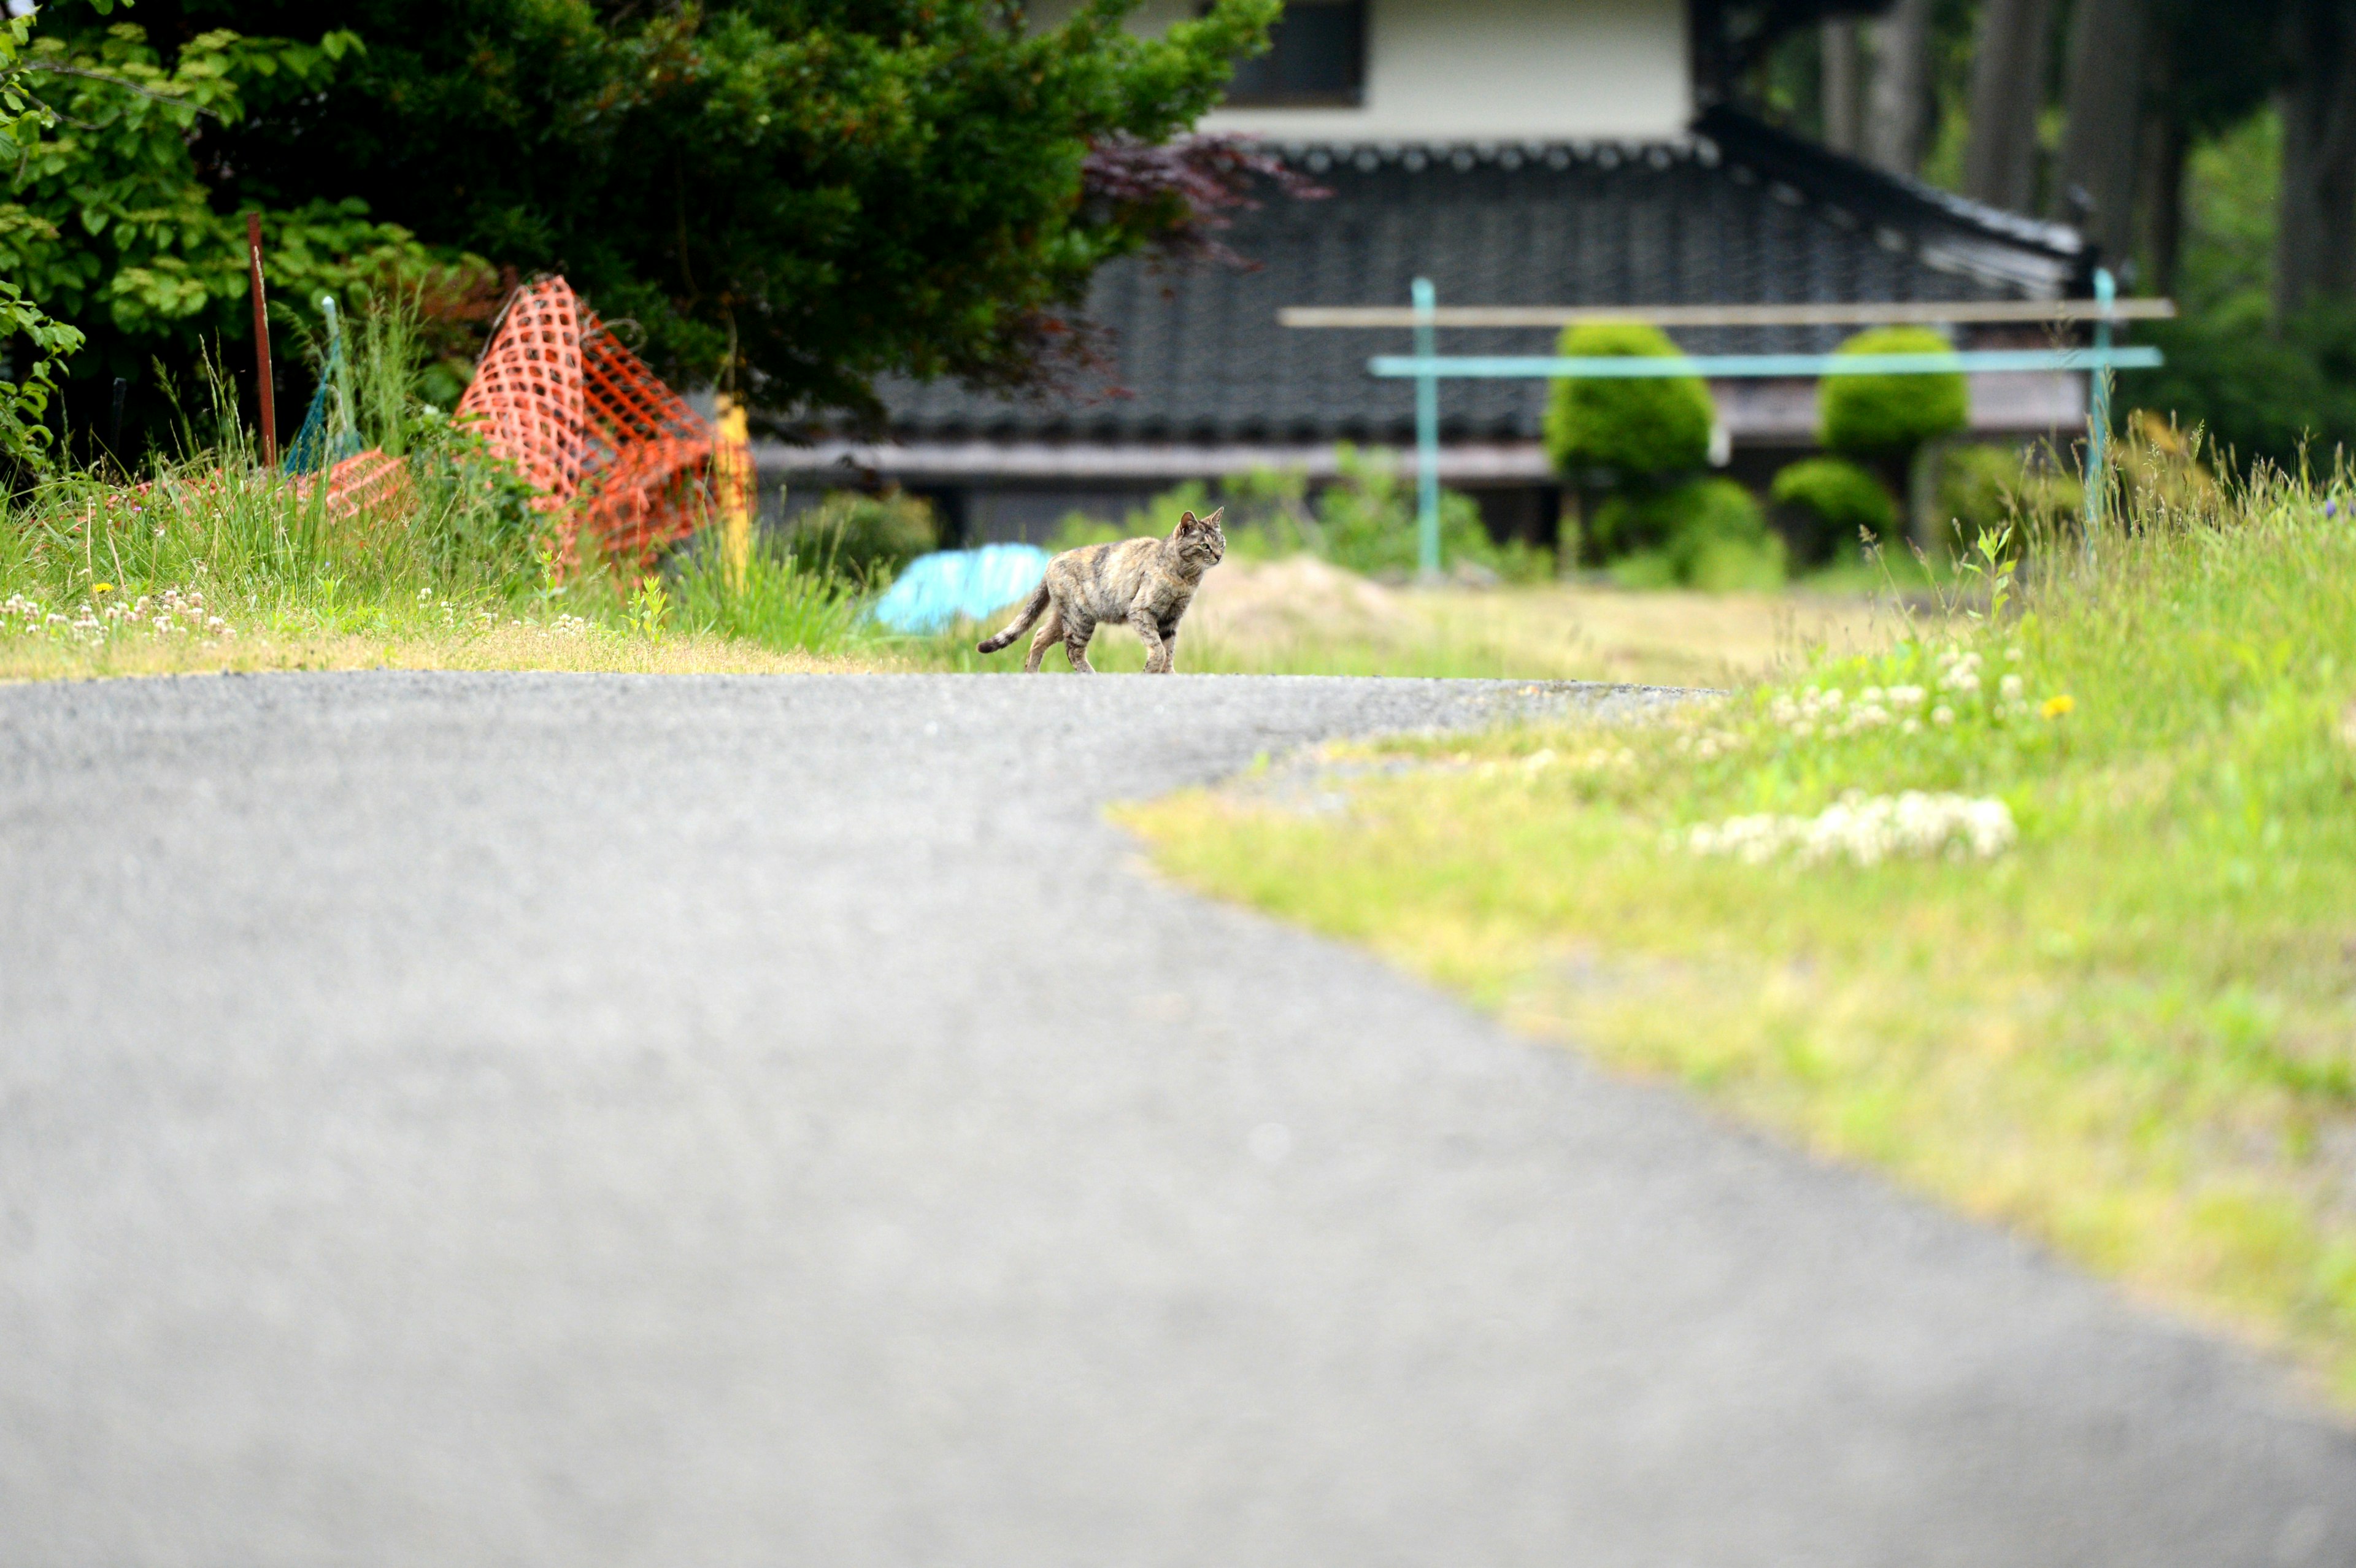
[367, 481]
[611, 449]
[527, 391]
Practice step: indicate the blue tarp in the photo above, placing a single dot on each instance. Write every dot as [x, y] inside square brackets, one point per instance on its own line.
[936, 589]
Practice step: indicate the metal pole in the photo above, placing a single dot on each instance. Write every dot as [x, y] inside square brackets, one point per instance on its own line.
[339, 359]
[2098, 406]
[262, 343]
[1427, 436]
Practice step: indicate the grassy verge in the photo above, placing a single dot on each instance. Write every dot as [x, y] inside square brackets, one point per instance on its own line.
[218, 565]
[2098, 980]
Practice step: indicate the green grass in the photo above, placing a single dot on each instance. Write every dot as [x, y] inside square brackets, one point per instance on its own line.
[2132, 1034]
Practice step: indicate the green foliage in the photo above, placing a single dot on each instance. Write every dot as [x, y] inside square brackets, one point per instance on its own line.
[1984, 489]
[1364, 521]
[824, 191]
[1888, 417]
[1704, 533]
[778, 604]
[25, 439]
[1630, 428]
[1822, 503]
[114, 227]
[2257, 396]
[864, 537]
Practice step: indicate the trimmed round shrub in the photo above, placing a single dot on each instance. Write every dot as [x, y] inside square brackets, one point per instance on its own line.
[1822, 502]
[1889, 417]
[1633, 428]
[1707, 533]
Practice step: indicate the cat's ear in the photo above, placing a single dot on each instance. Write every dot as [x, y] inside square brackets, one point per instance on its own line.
[1188, 522]
[1213, 520]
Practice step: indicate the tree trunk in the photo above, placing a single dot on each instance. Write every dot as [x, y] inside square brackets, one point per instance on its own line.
[2165, 143]
[1844, 85]
[1898, 110]
[2315, 237]
[2107, 61]
[2159, 182]
[2007, 94]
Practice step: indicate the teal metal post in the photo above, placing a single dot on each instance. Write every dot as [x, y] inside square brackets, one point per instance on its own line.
[1427, 434]
[342, 362]
[2098, 407]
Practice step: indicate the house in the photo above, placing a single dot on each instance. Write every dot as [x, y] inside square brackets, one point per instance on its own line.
[1517, 152]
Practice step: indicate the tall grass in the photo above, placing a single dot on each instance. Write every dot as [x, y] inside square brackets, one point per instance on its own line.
[88, 560]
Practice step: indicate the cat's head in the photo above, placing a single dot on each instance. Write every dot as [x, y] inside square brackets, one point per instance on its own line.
[1201, 538]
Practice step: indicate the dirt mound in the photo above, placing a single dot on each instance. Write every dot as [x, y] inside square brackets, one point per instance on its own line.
[1300, 597]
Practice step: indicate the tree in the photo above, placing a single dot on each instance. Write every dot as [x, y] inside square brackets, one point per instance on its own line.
[2315, 238]
[1898, 106]
[2105, 104]
[2008, 96]
[799, 196]
[1844, 84]
[2209, 67]
[25, 396]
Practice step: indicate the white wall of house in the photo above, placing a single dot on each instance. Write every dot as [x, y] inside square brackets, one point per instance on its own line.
[1476, 71]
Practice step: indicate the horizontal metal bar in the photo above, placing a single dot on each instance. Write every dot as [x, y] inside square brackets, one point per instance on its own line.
[1731, 366]
[1911, 313]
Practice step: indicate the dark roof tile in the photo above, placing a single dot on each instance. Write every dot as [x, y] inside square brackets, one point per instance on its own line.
[1742, 214]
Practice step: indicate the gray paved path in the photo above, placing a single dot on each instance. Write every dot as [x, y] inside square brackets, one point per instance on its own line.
[563, 1120]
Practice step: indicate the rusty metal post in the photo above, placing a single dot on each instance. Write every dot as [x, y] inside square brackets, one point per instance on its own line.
[262, 343]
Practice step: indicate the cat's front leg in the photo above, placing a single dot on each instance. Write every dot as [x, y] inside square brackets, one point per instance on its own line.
[1148, 627]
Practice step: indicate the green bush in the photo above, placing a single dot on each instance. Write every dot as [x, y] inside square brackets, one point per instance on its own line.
[1633, 428]
[2257, 395]
[1704, 533]
[1364, 521]
[1820, 503]
[1887, 418]
[866, 539]
[1983, 488]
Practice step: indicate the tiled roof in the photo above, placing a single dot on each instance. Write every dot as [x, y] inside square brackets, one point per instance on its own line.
[1738, 214]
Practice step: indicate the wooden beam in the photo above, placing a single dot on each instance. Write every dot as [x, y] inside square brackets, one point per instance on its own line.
[1911, 313]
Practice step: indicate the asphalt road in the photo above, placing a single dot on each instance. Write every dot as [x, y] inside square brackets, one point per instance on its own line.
[568, 1120]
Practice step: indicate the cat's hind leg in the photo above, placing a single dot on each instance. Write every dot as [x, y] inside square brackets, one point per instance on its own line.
[1077, 632]
[1050, 633]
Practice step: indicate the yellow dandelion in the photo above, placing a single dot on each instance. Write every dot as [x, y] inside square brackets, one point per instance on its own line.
[2054, 706]
[99, 588]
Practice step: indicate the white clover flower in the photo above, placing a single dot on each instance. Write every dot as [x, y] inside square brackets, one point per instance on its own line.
[2009, 688]
[1866, 831]
[1905, 695]
[1943, 714]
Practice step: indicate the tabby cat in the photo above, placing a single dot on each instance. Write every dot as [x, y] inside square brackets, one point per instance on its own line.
[1147, 583]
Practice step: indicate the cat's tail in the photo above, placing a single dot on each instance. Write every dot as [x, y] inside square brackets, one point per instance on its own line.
[1031, 612]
